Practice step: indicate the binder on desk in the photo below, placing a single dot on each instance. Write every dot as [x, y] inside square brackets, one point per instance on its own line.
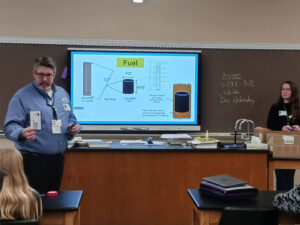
[239, 189]
[227, 187]
[204, 143]
[230, 196]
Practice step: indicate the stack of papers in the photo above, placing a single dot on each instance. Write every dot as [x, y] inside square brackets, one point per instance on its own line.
[140, 142]
[91, 143]
[176, 139]
[257, 146]
[96, 143]
[204, 143]
[72, 142]
[133, 142]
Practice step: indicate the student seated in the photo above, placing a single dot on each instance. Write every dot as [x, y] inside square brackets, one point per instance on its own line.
[285, 115]
[18, 201]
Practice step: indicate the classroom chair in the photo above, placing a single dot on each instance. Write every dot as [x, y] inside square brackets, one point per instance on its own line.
[249, 216]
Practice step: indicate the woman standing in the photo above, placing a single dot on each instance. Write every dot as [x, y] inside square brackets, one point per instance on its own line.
[18, 201]
[285, 116]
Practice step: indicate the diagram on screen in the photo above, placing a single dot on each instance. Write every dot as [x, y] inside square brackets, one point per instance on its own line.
[158, 75]
[182, 100]
[98, 78]
[130, 86]
[101, 80]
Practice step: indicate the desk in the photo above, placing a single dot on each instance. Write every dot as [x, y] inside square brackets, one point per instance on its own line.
[208, 210]
[142, 185]
[280, 163]
[62, 210]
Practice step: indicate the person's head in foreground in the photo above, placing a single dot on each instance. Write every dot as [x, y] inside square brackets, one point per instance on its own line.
[18, 201]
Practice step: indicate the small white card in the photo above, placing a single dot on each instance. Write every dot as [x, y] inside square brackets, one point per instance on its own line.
[260, 136]
[67, 107]
[282, 113]
[288, 139]
[35, 120]
[56, 126]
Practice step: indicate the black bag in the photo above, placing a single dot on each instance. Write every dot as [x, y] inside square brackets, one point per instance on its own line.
[289, 201]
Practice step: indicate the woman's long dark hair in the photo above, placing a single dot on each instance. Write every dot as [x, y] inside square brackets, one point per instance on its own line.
[295, 111]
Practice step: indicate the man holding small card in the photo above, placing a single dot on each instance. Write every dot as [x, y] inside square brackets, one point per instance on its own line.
[40, 121]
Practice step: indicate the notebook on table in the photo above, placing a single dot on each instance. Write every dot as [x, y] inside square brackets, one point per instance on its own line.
[239, 189]
[224, 180]
[230, 196]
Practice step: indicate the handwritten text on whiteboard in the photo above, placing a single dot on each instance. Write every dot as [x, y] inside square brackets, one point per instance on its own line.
[235, 89]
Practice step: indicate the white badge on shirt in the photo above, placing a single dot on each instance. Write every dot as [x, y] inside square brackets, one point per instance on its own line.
[67, 107]
[56, 126]
[282, 113]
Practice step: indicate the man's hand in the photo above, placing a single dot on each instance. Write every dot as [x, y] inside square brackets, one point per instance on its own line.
[28, 133]
[74, 129]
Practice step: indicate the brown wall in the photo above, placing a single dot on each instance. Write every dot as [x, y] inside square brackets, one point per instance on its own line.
[254, 68]
[205, 21]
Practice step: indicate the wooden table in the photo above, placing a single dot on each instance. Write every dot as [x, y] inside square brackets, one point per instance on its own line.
[208, 210]
[62, 210]
[144, 185]
[280, 163]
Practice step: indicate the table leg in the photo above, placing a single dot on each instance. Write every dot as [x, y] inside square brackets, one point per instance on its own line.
[270, 176]
[61, 218]
[206, 217]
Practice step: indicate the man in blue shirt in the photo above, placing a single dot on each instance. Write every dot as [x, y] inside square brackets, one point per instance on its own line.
[40, 121]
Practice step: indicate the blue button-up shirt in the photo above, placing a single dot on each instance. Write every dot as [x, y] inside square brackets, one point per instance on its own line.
[31, 98]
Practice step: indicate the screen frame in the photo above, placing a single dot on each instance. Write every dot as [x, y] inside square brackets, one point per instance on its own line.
[132, 128]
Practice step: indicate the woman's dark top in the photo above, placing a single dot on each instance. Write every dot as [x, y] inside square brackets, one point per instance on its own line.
[277, 118]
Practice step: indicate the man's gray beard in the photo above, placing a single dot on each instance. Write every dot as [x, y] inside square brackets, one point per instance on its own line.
[48, 88]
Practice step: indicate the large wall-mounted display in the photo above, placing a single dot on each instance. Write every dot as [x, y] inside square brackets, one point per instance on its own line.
[119, 89]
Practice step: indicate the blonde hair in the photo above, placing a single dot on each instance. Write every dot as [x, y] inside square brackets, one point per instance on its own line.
[17, 199]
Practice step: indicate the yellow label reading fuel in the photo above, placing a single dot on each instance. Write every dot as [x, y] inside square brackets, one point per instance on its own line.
[130, 62]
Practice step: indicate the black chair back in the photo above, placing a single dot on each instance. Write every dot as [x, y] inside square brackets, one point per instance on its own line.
[249, 216]
[19, 222]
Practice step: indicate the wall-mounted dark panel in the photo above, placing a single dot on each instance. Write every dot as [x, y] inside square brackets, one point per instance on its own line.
[235, 83]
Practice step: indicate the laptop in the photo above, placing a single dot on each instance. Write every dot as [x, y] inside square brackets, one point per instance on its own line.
[225, 181]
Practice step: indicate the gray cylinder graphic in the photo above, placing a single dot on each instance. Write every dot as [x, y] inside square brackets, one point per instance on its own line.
[128, 86]
[182, 101]
[87, 87]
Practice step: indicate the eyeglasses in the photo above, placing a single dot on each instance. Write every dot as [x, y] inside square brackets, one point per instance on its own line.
[286, 89]
[47, 75]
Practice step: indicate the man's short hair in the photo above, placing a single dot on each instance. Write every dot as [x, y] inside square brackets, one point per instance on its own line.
[45, 61]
